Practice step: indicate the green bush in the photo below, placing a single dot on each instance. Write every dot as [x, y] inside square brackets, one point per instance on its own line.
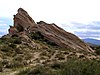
[56, 65]
[36, 36]
[6, 48]
[71, 67]
[18, 51]
[39, 70]
[12, 46]
[15, 64]
[1, 67]
[97, 51]
[5, 62]
[40, 37]
[18, 58]
[17, 40]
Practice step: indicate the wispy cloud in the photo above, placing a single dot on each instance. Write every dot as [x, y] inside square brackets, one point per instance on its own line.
[88, 34]
[93, 25]
[91, 30]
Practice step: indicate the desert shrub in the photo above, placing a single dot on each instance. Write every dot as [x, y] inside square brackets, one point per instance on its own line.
[7, 40]
[24, 72]
[16, 64]
[44, 53]
[18, 51]
[97, 51]
[40, 37]
[12, 40]
[51, 43]
[1, 41]
[76, 67]
[36, 36]
[19, 28]
[1, 67]
[39, 70]
[12, 46]
[71, 67]
[17, 40]
[6, 48]
[18, 58]
[5, 62]
[30, 71]
[60, 56]
[56, 65]
[15, 35]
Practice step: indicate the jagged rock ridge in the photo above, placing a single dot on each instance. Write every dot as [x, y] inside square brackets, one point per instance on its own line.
[23, 23]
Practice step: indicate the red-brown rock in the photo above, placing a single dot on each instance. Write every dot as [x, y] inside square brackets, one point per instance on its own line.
[24, 23]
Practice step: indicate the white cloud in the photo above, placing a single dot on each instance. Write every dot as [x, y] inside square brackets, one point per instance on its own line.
[3, 25]
[58, 11]
[61, 12]
[91, 30]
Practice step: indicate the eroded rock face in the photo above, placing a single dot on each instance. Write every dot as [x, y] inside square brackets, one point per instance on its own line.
[62, 38]
[24, 23]
[13, 30]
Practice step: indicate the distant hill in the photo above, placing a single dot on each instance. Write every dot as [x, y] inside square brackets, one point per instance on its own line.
[92, 41]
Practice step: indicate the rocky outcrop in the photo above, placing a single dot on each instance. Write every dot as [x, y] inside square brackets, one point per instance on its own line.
[24, 23]
[12, 30]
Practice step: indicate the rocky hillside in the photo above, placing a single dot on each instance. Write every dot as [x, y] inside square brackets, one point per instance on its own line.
[29, 44]
[25, 25]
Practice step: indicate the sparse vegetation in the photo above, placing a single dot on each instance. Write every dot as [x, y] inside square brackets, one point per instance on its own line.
[44, 49]
[71, 67]
[21, 55]
[97, 49]
[40, 37]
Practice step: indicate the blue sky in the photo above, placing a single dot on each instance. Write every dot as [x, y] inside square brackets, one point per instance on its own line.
[81, 17]
[4, 25]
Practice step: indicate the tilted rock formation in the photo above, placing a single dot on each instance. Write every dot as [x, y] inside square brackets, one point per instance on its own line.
[24, 23]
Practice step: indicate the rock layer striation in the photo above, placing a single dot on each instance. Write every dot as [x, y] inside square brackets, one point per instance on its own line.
[23, 23]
